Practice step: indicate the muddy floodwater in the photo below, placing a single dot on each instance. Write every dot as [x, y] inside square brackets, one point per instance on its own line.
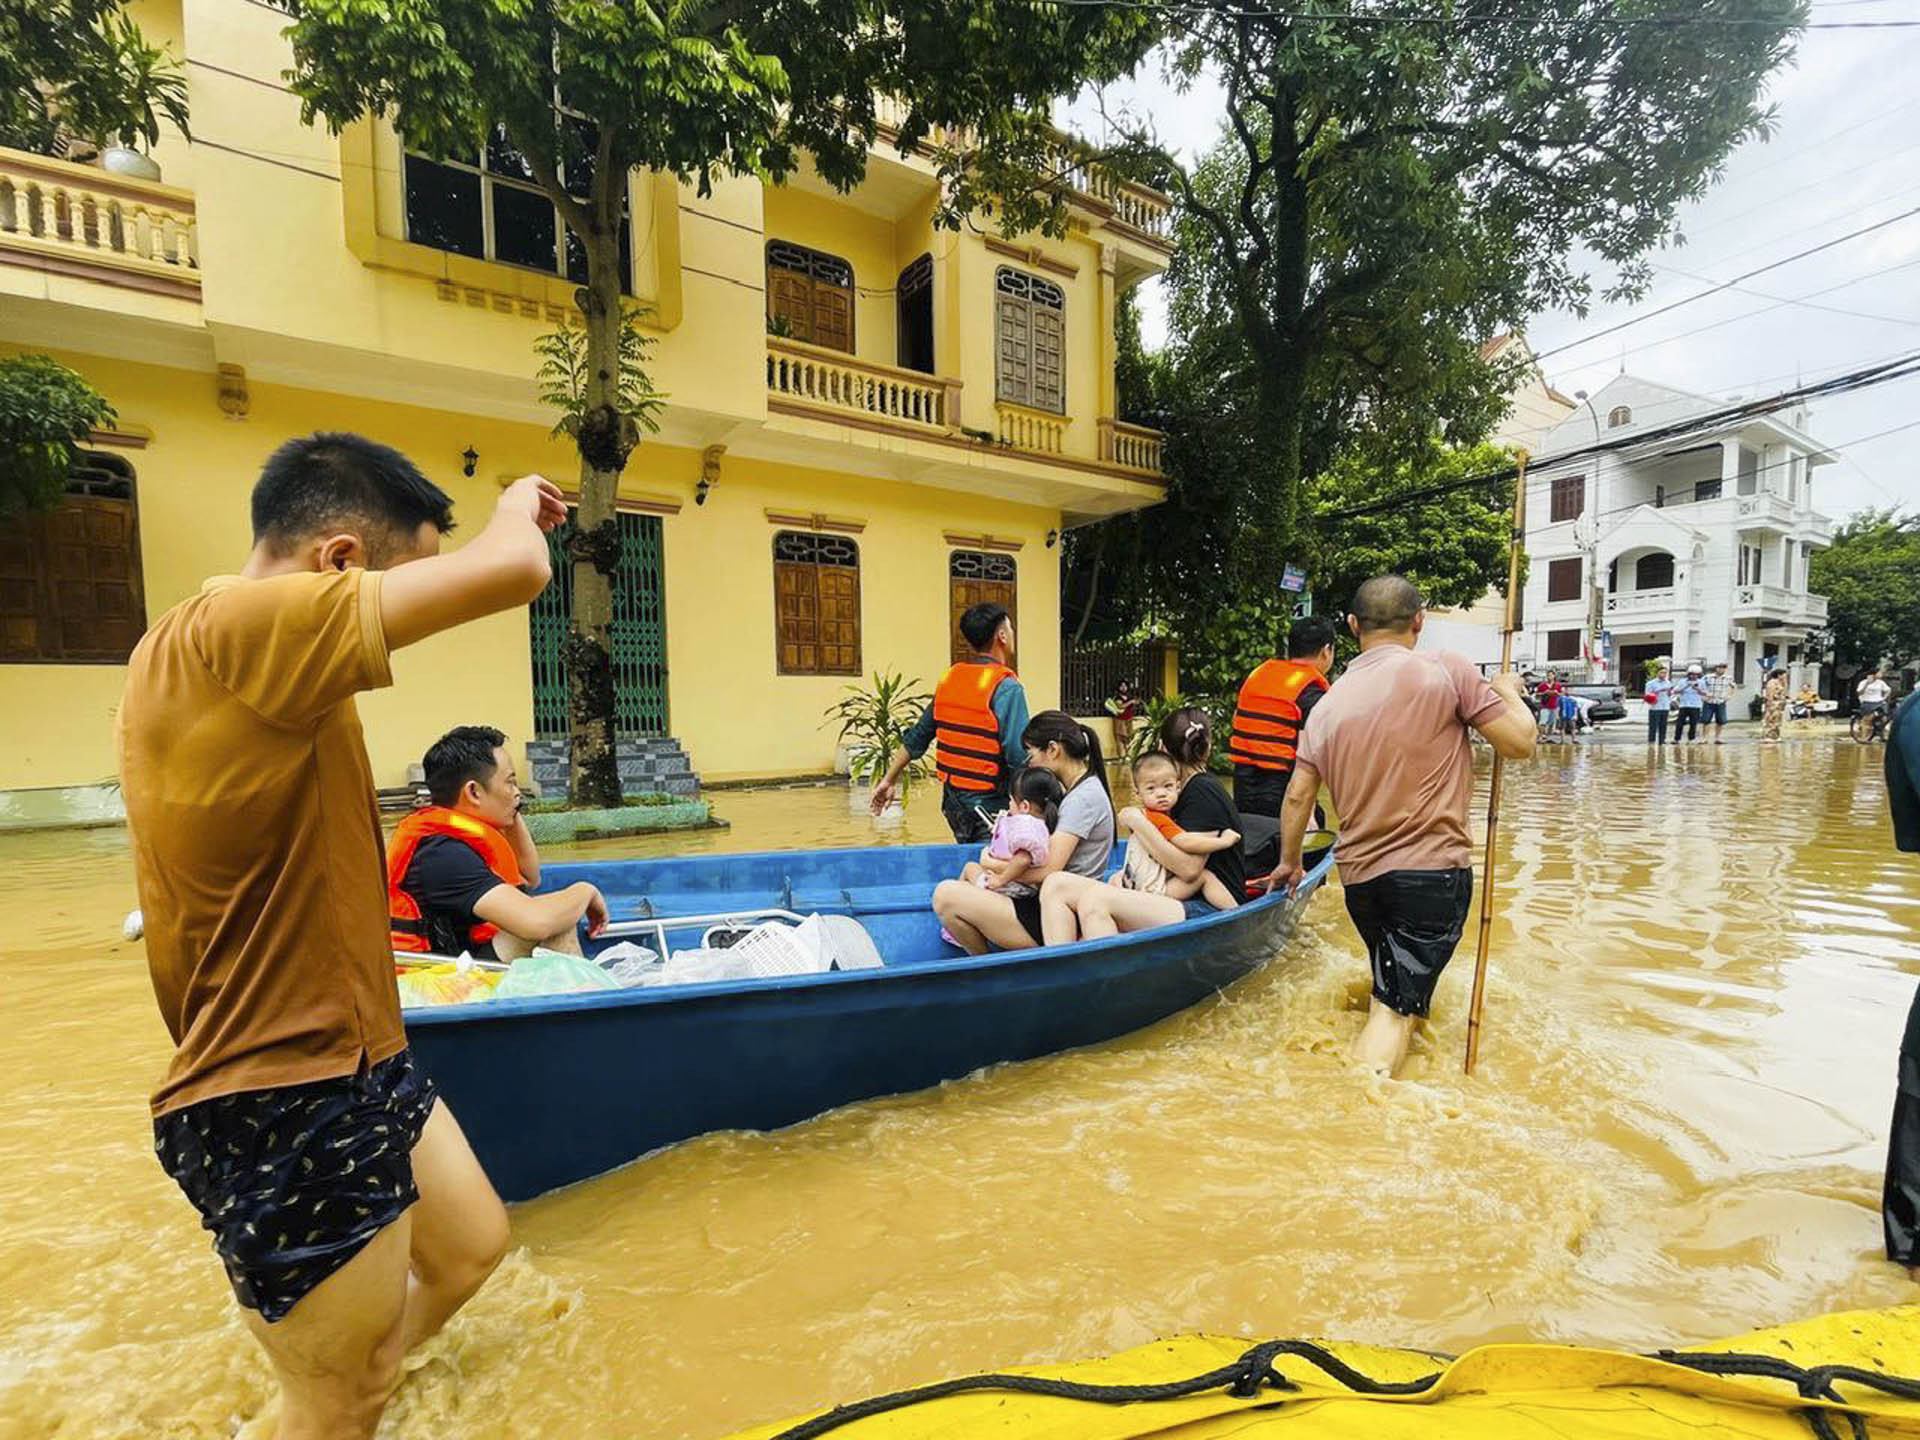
[1702, 962]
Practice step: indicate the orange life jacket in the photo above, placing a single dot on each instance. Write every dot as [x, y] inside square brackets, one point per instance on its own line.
[966, 729]
[1266, 722]
[404, 920]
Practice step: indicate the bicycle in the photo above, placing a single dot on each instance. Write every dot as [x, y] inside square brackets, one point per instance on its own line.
[1869, 726]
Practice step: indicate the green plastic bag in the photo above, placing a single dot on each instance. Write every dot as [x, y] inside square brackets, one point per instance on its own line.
[548, 972]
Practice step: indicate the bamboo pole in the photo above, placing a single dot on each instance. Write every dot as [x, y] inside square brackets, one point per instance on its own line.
[1493, 788]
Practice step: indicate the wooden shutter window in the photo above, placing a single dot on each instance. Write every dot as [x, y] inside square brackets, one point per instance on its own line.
[816, 598]
[1030, 320]
[1563, 579]
[1563, 645]
[70, 583]
[1569, 497]
[979, 577]
[811, 292]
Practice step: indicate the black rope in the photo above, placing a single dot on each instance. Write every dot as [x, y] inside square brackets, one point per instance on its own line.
[1254, 1370]
[1244, 1376]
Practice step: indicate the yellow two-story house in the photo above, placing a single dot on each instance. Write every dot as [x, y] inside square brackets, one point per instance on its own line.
[871, 424]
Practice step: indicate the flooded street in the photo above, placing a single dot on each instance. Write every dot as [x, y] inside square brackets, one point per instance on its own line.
[1702, 963]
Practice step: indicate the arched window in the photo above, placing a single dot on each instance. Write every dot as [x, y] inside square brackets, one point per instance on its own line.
[70, 587]
[816, 603]
[809, 296]
[979, 577]
[1619, 415]
[1030, 316]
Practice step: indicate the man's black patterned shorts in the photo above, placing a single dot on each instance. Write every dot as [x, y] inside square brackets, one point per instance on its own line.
[294, 1181]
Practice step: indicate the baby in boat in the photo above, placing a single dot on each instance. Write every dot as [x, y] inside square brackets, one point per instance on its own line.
[1156, 780]
[1021, 834]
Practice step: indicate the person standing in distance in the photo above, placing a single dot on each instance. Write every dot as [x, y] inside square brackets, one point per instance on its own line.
[342, 1197]
[1274, 703]
[1900, 1200]
[1391, 742]
[977, 717]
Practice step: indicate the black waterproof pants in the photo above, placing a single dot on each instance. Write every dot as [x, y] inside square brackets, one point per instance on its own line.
[1900, 1205]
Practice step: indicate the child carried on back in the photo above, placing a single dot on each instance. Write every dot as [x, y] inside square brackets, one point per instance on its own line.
[1020, 836]
[1156, 780]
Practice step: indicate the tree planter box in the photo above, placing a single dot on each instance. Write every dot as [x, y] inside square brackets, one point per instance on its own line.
[647, 763]
[555, 827]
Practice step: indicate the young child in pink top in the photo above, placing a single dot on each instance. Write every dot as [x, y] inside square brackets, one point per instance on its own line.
[1021, 835]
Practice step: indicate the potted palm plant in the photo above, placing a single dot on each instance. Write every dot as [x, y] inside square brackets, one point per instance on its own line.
[874, 721]
[123, 118]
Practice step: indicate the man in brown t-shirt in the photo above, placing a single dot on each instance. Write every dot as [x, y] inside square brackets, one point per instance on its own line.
[350, 1214]
[1389, 739]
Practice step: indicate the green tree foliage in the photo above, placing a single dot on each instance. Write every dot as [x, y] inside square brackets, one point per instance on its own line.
[81, 71]
[1871, 578]
[1453, 547]
[46, 410]
[1388, 192]
[693, 88]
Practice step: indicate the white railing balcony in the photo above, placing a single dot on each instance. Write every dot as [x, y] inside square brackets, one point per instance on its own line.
[81, 221]
[1810, 610]
[1765, 512]
[838, 385]
[1662, 601]
[1132, 447]
[1768, 602]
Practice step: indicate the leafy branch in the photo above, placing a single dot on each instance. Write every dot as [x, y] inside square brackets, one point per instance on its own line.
[562, 376]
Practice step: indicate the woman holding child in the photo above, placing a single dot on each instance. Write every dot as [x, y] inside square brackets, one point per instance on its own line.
[1194, 841]
[996, 908]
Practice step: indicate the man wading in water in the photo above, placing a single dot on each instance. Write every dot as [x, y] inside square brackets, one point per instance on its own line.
[1390, 740]
[351, 1215]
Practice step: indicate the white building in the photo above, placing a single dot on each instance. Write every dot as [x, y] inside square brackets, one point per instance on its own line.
[1684, 550]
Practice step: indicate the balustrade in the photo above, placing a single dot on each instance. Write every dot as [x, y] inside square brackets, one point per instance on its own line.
[818, 377]
[58, 207]
[1025, 429]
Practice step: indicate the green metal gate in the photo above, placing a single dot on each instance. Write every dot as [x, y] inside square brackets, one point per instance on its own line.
[639, 633]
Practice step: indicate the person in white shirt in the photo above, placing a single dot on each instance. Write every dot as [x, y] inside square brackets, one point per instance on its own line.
[1873, 693]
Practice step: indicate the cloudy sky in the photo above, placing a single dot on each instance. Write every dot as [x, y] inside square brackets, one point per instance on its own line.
[1845, 153]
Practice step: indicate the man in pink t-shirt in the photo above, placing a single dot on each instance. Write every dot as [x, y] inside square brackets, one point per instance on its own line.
[1390, 740]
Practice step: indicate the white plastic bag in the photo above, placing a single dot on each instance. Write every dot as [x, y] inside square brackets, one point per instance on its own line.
[628, 963]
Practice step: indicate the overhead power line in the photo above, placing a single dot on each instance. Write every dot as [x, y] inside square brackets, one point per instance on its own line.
[1729, 284]
[1899, 368]
[1580, 22]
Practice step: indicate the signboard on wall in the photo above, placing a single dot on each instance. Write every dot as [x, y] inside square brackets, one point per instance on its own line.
[1293, 578]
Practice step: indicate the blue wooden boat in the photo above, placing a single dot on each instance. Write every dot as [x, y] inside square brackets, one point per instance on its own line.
[554, 1089]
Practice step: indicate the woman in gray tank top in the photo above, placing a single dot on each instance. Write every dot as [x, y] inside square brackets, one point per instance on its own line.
[979, 919]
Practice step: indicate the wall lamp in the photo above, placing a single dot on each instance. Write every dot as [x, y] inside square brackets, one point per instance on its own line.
[1053, 538]
[469, 461]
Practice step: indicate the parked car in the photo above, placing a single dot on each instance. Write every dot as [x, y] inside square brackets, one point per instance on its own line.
[1609, 701]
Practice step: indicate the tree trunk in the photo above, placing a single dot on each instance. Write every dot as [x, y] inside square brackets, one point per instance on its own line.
[605, 437]
[1093, 581]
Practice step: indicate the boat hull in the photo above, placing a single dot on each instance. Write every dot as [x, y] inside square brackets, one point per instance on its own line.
[558, 1089]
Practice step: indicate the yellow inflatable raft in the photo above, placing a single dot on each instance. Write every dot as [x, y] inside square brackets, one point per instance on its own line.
[1845, 1376]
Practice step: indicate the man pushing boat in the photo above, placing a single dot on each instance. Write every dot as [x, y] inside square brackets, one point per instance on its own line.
[350, 1214]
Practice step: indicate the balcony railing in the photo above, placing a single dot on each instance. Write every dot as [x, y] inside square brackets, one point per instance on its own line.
[1131, 447]
[1031, 430]
[1772, 600]
[1136, 206]
[1810, 610]
[1773, 511]
[1637, 602]
[839, 384]
[84, 219]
